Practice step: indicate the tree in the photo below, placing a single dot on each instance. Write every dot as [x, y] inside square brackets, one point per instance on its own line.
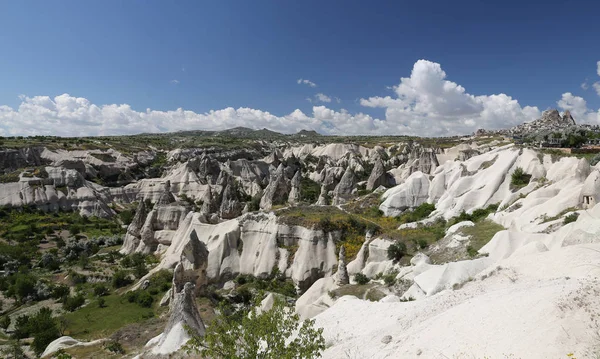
[396, 251]
[274, 334]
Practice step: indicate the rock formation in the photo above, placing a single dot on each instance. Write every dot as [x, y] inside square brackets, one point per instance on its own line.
[341, 276]
[133, 236]
[192, 265]
[378, 176]
[184, 317]
[230, 202]
[344, 189]
[277, 191]
[294, 196]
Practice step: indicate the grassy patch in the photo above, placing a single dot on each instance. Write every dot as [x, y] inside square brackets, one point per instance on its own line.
[519, 179]
[31, 224]
[546, 219]
[481, 233]
[93, 322]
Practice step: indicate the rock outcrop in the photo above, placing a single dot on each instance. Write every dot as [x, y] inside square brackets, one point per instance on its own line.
[378, 177]
[184, 317]
[192, 265]
[294, 195]
[345, 188]
[230, 202]
[277, 191]
[341, 276]
[133, 236]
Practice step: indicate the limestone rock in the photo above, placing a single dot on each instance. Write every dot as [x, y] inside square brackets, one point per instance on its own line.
[132, 238]
[294, 196]
[184, 317]
[412, 193]
[230, 203]
[277, 191]
[167, 197]
[192, 265]
[342, 277]
[378, 176]
[343, 190]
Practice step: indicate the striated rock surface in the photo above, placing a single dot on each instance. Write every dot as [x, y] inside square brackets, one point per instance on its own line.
[277, 191]
[378, 176]
[294, 195]
[184, 317]
[341, 276]
[344, 189]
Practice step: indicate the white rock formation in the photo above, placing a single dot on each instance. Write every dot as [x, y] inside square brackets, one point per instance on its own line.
[184, 317]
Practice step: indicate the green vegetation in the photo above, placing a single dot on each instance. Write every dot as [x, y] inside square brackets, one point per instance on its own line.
[235, 336]
[309, 190]
[571, 218]
[361, 279]
[29, 224]
[276, 283]
[546, 219]
[481, 233]
[42, 327]
[519, 179]
[396, 251]
[419, 213]
[477, 215]
[93, 322]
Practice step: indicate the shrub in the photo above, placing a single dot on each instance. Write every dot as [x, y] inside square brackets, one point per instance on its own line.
[5, 322]
[519, 178]
[144, 299]
[361, 279]
[571, 218]
[120, 279]
[59, 291]
[115, 347]
[71, 303]
[101, 302]
[100, 290]
[418, 213]
[396, 251]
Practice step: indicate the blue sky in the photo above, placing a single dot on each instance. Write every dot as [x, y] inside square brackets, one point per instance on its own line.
[212, 55]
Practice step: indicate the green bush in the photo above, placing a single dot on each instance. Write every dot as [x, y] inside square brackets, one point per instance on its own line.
[390, 279]
[361, 279]
[120, 279]
[71, 303]
[114, 347]
[396, 251]
[144, 299]
[236, 336]
[100, 290]
[571, 218]
[418, 213]
[59, 291]
[519, 179]
[5, 322]
[42, 327]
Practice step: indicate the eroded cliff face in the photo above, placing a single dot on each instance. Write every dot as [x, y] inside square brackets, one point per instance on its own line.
[256, 245]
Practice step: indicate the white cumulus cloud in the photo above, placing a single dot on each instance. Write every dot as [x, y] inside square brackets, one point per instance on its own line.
[322, 97]
[579, 109]
[596, 87]
[306, 82]
[426, 102]
[598, 68]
